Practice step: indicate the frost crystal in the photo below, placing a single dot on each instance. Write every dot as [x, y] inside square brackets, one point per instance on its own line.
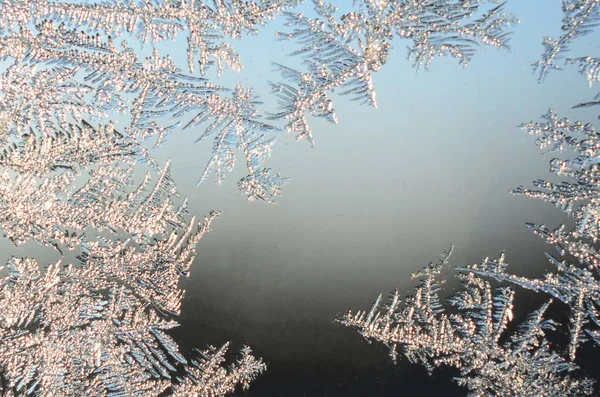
[576, 285]
[100, 77]
[72, 331]
[473, 338]
[344, 52]
[78, 105]
[576, 280]
[581, 17]
[99, 326]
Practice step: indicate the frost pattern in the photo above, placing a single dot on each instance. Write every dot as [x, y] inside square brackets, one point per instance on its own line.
[473, 338]
[99, 77]
[72, 332]
[99, 326]
[78, 106]
[343, 53]
[580, 18]
[78, 53]
[575, 281]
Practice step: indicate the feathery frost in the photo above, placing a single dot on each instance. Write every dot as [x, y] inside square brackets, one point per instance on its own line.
[473, 338]
[343, 52]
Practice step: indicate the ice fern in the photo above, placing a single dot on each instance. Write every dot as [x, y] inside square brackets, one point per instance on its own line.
[98, 327]
[43, 209]
[77, 64]
[86, 94]
[576, 276]
[344, 51]
[473, 338]
[580, 18]
[79, 108]
[575, 280]
[76, 68]
[72, 331]
[72, 148]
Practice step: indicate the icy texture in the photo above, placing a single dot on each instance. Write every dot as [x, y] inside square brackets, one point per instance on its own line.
[100, 76]
[590, 68]
[576, 279]
[76, 63]
[473, 338]
[74, 332]
[344, 52]
[79, 107]
[205, 25]
[98, 327]
[580, 18]
[48, 212]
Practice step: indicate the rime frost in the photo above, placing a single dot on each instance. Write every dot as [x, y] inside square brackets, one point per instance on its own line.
[580, 18]
[473, 339]
[79, 108]
[344, 52]
[99, 77]
[576, 280]
[99, 326]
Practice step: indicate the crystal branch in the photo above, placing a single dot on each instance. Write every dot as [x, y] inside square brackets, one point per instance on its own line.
[580, 17]
[161, 92]
[343, 53]
[473, 339]
[206, 26]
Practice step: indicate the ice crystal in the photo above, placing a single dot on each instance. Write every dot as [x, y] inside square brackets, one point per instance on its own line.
[100, 75]
[72, 148]
[97, 80]
[473, 338]
[204, 25]
[590, 68]
[44, 210]
[575, 280]
[343, 53]
[99, 326]
[79, 108]
[580, 18]
[71, 331]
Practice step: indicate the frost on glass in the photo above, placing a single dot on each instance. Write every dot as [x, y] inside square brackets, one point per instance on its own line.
[473, 337]
[88, 74]
[342, 52]
[580, 18]
[575, 278]
[85, 61]
[86, 96]
[99, 326]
